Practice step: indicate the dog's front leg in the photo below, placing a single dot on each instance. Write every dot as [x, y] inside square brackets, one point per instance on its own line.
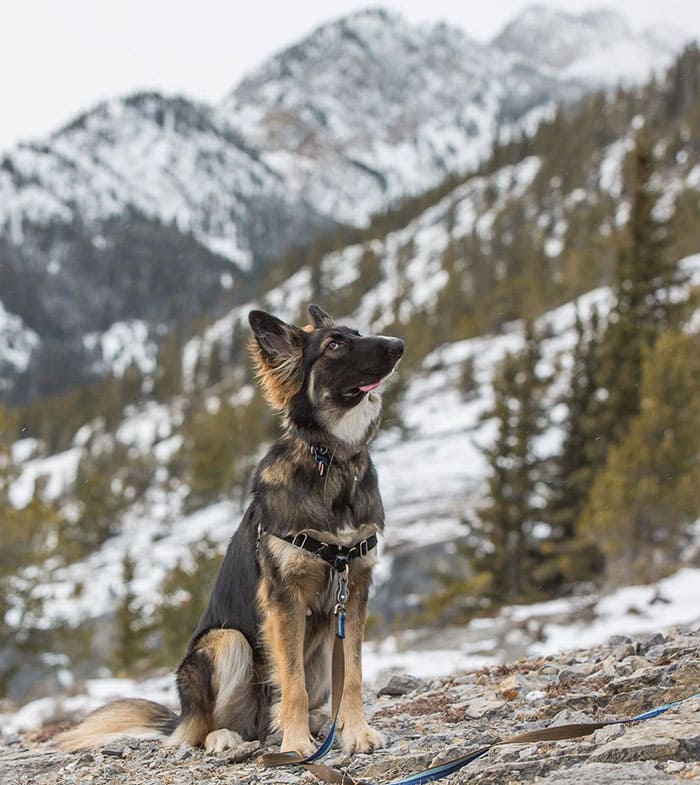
[285, 626]
[356, 734]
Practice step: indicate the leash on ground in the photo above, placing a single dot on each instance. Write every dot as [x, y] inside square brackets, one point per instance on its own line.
[336, 777]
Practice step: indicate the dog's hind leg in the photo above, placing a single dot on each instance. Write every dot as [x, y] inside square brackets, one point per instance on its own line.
[215, 682]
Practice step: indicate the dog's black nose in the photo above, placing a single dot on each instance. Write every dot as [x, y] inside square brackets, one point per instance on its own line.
[396, 349]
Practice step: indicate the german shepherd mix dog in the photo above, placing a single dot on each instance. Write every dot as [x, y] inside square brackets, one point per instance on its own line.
[261, 654]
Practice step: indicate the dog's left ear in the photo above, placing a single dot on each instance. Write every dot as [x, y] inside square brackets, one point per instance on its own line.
[319, 318]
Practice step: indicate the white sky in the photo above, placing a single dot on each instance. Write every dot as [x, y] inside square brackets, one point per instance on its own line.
[60, 57]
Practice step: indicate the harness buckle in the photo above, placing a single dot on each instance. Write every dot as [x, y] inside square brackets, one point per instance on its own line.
[300, 539]
[343, 592]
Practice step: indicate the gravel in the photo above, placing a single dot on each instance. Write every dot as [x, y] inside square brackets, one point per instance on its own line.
[431, 722]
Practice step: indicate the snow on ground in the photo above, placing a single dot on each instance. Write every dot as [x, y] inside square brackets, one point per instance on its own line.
[39, 712]
[159, 530]
[58, 470]
[123, 345]
[628, 611]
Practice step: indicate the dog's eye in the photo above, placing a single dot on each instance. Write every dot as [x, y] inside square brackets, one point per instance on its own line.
[332, 345]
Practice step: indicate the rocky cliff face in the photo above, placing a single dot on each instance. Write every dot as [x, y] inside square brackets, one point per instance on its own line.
[429, 722]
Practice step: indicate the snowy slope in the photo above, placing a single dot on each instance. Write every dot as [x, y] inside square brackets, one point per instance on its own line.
[17, 342]
[446, 438]
[364, 110]
[166, 158]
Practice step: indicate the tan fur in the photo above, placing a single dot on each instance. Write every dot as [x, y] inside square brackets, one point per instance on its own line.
[191, 731]
[276, 474]
[279, 382]
[283, 632]
[233, 677]
[134, 717]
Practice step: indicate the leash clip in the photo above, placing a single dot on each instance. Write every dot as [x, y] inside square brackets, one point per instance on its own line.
[341, 598]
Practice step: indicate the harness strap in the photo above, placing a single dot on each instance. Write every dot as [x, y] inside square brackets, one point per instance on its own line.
[337, 556]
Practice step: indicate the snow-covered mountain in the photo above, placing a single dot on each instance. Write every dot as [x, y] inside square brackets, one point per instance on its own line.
[370, 108]
[146, 196]
[597, 47]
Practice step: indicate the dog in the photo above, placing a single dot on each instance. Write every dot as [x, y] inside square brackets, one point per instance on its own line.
[260, 657]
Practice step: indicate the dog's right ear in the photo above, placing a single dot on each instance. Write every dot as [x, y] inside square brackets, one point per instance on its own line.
[277, 351]
[276, 339]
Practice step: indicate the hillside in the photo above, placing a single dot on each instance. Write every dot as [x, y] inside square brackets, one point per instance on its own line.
[189, 202]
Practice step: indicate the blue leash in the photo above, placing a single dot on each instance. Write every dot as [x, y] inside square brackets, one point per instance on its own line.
[331, 775]
[443, 770]
[556, 733]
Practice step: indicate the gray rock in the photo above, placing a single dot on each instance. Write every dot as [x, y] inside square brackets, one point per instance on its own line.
[244, 751]
[605, 735]
[183, 752]
[568, 717]
[114, 750]
[616, 640]
[400, 684]
[609, 774]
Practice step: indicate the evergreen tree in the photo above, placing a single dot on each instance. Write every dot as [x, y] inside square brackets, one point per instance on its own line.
[513, 509]
[643, 307]
[566, 558]
[24, 531]
[642, 506]
[168, 380]
[128, 648]
[216, 365]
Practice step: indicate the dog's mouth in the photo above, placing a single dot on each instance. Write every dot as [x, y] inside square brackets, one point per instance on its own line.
[360, 390]
[363, 389]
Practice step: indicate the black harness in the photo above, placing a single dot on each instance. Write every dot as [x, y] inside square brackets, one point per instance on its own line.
[338, 556]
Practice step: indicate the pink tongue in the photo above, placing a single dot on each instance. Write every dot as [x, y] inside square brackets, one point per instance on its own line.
[369, 387]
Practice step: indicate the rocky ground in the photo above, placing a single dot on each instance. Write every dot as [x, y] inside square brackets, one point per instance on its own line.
[429, 722]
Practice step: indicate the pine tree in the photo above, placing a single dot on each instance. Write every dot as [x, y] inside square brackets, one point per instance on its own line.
[216, 365]
[168, 380]
[186, 592]
[128, 648]
[642, 506]
[643, 307]
[509, 518]
[566, 558]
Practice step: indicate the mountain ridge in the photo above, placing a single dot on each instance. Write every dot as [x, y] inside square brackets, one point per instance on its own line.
[340, 125]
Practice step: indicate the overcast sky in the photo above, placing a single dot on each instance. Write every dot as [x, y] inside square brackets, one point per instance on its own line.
[59, 57]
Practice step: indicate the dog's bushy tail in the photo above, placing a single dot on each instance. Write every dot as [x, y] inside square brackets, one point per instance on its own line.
[130, 717]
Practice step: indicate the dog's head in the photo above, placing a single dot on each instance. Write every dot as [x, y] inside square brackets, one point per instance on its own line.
[323, 375]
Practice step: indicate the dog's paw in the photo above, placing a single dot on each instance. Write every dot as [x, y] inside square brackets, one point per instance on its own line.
[361, 738]
[301, 743]
[220, 740]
